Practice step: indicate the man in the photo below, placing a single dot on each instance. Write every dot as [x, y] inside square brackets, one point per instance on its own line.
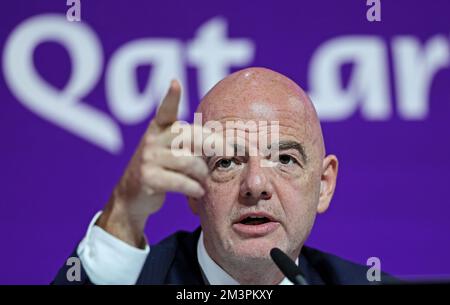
[247, 204]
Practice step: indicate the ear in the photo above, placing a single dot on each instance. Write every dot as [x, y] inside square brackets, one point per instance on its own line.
[327, 182]
[193, 204]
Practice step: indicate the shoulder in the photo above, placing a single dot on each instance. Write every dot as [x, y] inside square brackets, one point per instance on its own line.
[336, 270]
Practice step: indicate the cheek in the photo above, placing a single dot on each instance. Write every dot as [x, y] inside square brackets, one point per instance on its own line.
[219, 201]
[299, 200]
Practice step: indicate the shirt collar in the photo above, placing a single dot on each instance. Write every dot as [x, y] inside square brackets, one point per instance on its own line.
[214, 274]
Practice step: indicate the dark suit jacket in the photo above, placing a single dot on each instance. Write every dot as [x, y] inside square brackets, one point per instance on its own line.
[174, 261]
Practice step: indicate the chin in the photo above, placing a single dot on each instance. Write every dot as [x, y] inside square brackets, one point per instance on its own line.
[255, 248]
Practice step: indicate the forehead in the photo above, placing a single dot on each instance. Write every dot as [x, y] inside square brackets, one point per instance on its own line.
[257, 88]
[260, 106]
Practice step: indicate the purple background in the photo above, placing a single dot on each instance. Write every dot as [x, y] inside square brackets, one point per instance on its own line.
[392, 194]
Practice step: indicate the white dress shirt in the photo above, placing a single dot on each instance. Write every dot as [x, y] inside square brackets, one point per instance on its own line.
[110, 261]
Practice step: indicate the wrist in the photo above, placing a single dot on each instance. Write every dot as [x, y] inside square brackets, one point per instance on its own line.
[118, 220]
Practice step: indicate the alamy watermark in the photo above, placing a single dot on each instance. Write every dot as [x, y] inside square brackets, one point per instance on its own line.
[74, 11]
[374, 11]
[73, 273]
[374, 272]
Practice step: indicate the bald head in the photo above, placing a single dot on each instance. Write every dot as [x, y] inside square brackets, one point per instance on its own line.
[262, 94]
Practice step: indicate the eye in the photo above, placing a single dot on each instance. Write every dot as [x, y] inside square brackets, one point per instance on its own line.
[225, 164]
[286, 159]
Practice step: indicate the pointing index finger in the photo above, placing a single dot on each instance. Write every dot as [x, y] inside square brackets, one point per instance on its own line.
[168, 110]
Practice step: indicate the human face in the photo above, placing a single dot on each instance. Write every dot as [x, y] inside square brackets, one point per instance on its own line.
[241, 187]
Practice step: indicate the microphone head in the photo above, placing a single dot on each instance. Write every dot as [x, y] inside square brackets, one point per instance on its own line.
[285, 264]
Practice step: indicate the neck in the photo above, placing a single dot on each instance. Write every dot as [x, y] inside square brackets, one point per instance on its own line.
[246, 271]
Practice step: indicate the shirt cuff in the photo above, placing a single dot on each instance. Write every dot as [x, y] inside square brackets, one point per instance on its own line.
[109, 260]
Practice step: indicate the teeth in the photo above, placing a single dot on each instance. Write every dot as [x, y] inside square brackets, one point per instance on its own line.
[256, 217]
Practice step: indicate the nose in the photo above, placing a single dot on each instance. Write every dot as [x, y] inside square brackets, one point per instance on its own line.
[255, 183]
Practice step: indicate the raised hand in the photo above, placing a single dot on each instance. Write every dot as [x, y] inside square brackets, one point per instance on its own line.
[153, 170]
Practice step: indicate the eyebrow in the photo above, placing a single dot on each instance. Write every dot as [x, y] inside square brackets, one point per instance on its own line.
[282, 145]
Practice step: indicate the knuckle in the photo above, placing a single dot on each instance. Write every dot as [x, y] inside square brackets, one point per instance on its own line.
[149, 139]
[185, 163]
[153, 140]
[155, 183]
[147, 173]
[190, 185]
[143, 171]
[150, 154]
[201, 167]
[178, 184]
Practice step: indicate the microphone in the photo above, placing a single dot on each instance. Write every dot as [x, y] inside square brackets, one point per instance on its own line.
[287, 267]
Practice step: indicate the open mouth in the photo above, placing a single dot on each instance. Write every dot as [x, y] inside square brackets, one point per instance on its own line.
[254, 220]
[255, 224]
